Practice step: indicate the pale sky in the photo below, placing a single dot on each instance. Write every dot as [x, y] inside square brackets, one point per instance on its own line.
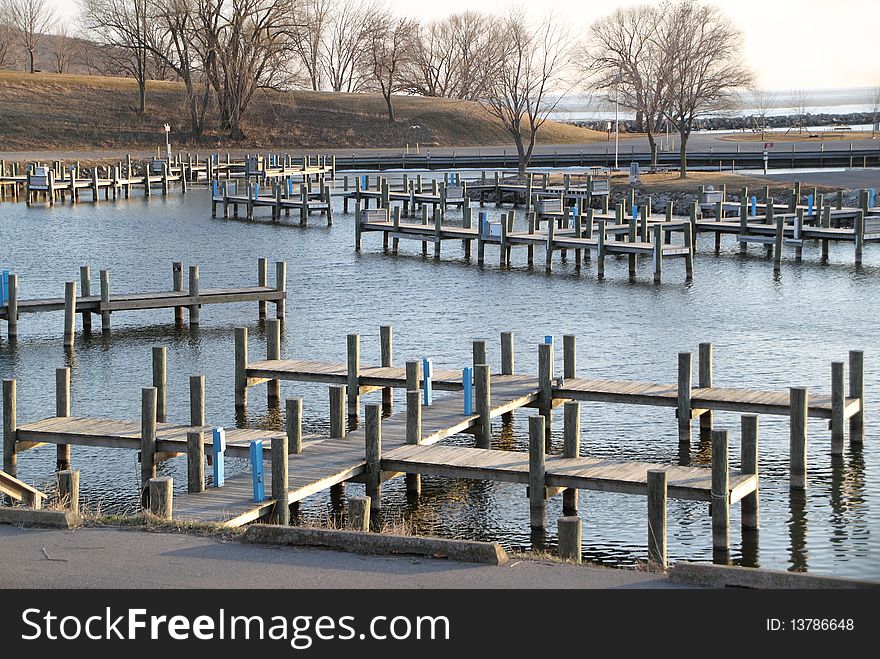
[790, 44]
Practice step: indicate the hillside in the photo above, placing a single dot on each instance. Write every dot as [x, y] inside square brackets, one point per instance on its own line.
[50, 111]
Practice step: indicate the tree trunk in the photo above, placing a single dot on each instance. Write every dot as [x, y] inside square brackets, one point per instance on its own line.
[390, 109]
[683, 135]
[31, 55]
[653, 144]
[521, 155]
[142, 91]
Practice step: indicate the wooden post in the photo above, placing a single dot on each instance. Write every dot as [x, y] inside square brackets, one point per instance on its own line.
[545, 382]
[12, 307]
[859, 230]
[62, 409]
[479, 351]
[569, 356]
[358, 514]
[413, 376]
[537, 474]
[777, 245]
[85, 284]
[177, 285]
[68, 490]
[507, 353]
[600, 256]
[195, 462]
[857, 390]
[354, 370]
[482, 404]
[373, 439]
[273, 353]
[386, 360]
[69, 312]
[281, 287]
[262, 281]
[705, 380]
[837, 407]
[161, 496]
[280, 479]
[571, 449]
[160, 380]
[413, 436]
[569, 532]
[194, 294]
[799, 401]
[751, 518]
[197, 400]
[105, 300]
[684, 396]
[720, 491]
[293, 424]
[148, 442]
[657, 518]
[657, 254]
[241, 360]
[10, 427]
[337, 411]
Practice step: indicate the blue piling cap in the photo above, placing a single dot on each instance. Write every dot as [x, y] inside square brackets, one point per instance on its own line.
[548, 339]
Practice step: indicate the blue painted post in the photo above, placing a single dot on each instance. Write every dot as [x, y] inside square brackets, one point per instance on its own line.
[872, 195]
[4, 288]
[256, 190]
[635, 212]
[365, 182]
[219, 456]
[483, 225]
[467, 379]
[548, 340]
[809, 204]
[754, 206]
[256, 451]
[290, 187]
[214, 188]
[427, 374]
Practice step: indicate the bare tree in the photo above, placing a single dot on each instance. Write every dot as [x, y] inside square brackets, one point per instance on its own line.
[245, 45]
[345, 44]
[30, 20]
[623, 54]
[309, 39]
[764, 101]
[123, 29]
[6, 38]
[875, 112]
[801, 101]
[64, 48]
[529, 81]
[390, 49]
[701, 53]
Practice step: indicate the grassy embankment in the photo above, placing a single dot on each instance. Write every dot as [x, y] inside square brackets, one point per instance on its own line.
[62, 112]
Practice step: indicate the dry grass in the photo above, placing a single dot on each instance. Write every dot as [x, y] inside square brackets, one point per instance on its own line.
[794, 136]
[53, 112]
[662, 182]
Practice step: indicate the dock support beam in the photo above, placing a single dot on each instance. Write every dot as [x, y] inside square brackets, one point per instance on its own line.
[194, 294]
[545, 383]
[657, 518]
[483, 403]
[569, 356]
[241, 359]
[281, 287]
[148, 443]
[195, 462]
[837, 405]
[10, 426]
[68, 490]
[273, 353]
[571, 449]
[160, 380]
[358, 514]
[720, 492]
[177, 286]
[799, 401]
[507, 353]
[280, 479]
[62, 409]
[857, 390]
[373, 439]
[569, 532]
[85, 284]
[413, 436]
[105, 300]
[162, 497]
[354, 371]
[751, 516]
[537, 474]
[705, 380]
[386, 360]
[293, 424]
[262, 280]
[685, 373]
[69, 312]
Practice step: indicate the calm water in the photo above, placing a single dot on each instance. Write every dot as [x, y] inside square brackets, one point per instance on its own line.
[770, 332]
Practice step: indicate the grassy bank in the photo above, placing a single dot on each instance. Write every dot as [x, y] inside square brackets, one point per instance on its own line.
[56, 112]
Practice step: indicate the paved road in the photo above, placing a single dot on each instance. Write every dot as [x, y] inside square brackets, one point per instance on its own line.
[128, 558]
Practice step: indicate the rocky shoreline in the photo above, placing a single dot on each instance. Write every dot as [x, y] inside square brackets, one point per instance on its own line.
[751, 121]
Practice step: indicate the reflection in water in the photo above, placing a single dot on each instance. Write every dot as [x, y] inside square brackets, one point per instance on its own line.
[797, 531]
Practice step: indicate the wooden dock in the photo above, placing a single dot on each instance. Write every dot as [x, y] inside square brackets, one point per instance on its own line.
[106, 303]
[282, 198]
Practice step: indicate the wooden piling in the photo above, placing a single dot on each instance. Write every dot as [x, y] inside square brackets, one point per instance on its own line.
[273, 353]
[280, 479]
[177, 286]
[85, 284]
[385, 336]
[160, 380]
[545, 382]
[194, 294]
[10, 427]
[751, 517]
[373, 446]
[262, 280]
[358, 514]
[241, 359]
[12, 307]
[353, 370]
[105, 300]
[413, 377]
[507, 353]
[413, 436]
[837, 407]
[705, 380]
[568, 530]
[777, 245]
[293, 424]
[148, 442]
[657, 518]
[161, 494]
[720, 491]
[799, 401]
[62, 409]
[195, 462]
[571, 449]
[569, 356]
[337, 411]
[857, 390]
[537, 474]
[479, 351]
[281, 287]
[68, 490]
[197, 400]
[482, 404]
[69, 312]
[685, 374]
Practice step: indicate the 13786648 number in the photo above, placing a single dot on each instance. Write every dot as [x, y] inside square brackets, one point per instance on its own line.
[821, 624]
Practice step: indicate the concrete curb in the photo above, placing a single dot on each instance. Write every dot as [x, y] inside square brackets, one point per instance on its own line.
[727, 576]
[489, 553]
[52, 519]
